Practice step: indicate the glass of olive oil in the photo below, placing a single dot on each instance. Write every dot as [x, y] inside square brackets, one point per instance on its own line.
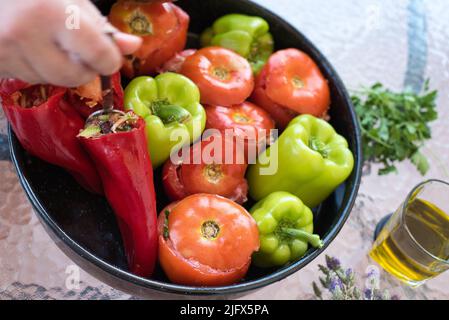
[414, 244]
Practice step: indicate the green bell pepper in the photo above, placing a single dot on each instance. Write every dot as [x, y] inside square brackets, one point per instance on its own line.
[285, 230]
[309, 160]
[248, 36]
[170, 106]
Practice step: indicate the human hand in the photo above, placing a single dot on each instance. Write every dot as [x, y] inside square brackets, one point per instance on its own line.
[38, 46]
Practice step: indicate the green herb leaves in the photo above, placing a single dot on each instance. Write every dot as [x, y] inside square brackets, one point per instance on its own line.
[166, 231]
[395, 125]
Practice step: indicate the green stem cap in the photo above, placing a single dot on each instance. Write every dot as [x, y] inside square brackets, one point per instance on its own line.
[169, 113]
[313, 239]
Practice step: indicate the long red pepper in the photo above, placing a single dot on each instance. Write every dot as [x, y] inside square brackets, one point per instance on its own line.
[125, 168]
[48, 131]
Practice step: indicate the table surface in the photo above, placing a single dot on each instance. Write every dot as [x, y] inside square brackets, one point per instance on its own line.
[399, 43]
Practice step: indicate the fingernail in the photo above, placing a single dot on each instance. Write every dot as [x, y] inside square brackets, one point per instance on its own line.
[126, 37]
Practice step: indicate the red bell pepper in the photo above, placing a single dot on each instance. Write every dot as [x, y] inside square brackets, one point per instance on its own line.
[9, 86]
[88, 98]
[118, 146]
[47, 127]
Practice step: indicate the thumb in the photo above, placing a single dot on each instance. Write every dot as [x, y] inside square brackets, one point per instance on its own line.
[127, 43]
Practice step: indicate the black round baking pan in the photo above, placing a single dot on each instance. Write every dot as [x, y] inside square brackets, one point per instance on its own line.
[84, 227]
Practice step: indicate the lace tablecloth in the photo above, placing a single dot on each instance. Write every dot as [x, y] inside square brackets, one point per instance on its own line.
[400, 43]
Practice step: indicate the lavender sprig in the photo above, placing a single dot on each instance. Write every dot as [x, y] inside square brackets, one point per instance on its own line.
[340, 284]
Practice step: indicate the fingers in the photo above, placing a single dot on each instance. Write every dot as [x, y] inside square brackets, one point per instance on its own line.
[95, 49]
[54, 66]
[26, 72]
[16, 66]
[56, 54]
[22, 71]
[127, 43]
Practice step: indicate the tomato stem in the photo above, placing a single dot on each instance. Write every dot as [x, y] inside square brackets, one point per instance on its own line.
[213, 173]
[241, 118]
[298, 83]
[140, 24]
[221, 73]
[210, 230]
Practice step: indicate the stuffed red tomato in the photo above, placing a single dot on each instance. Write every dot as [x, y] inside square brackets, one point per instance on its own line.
[162, 27]
[290, 84]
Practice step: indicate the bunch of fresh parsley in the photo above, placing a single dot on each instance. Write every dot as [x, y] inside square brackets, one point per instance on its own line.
[395, 125]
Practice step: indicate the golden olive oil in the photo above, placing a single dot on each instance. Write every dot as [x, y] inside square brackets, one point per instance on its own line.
[416, 248]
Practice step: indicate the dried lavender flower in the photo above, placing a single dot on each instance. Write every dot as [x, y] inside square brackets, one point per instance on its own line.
[332, 263]
[335, 285]
[317, 291]
[340, 284]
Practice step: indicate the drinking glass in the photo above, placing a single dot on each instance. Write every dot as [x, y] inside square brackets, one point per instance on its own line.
[413, 245]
